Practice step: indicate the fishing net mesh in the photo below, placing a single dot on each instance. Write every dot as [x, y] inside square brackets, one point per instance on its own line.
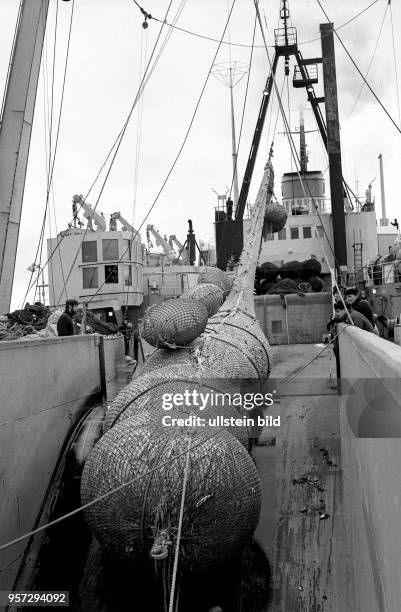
[152, 393]
[174, 322]
[222, 501]
[215, 276]
[210, 295]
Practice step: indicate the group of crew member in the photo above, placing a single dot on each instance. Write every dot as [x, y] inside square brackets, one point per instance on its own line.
[359, 313]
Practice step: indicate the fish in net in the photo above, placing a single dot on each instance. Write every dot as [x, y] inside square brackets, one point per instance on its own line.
[204, 396]
[233, 342]
[173, 323]
[222, 500]
[215, 276]
[210, 295]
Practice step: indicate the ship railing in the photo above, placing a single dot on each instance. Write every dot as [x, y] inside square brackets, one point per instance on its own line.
[381, 273]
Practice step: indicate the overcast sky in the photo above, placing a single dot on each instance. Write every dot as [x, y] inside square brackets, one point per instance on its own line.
[102, 79]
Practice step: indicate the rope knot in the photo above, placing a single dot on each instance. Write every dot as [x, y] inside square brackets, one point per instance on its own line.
[159, 550]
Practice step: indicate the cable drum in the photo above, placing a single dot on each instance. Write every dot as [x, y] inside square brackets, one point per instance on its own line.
[209, 294]
[173, 323]
[215, 276]
[222, 501]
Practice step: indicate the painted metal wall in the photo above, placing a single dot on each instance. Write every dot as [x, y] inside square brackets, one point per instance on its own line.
[371, 448]
[294, 319]
[45, 387]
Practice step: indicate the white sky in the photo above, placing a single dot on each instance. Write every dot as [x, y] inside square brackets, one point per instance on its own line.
[102, 79]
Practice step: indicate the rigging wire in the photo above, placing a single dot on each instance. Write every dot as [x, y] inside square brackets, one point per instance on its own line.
[244, 107]
[174, 163]
[294, 153]
[39, 248]
[370, 64]
[116, 146]
[395, 61]
[151, 471]
[360, 73]
[305, 42]
[52, 163]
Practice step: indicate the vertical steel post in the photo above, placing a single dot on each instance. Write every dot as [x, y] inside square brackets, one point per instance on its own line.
[383, 197]
[334, 145]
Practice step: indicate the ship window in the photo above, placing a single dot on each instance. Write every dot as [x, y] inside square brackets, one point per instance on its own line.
[282, 235]
[277, 327]
[307, 232]
[128, 276]
[127, 254]
[110, 249]
[320, 231]
[111, 274]
[89, 277]
[294, 233]
[89, 251]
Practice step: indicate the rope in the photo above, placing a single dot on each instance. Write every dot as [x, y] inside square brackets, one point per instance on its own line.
[360, 73]
[116, 147]
[224, 42]
[179, 150]
[370, 64]
[106, 495]
[294, 152]
[51, 163]
[177, 548]
[395, 62]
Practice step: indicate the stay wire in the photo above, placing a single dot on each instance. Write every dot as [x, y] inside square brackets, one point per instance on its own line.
[370, 64]
[244, 106]
[395, 61]
[102, 167]
[57, 133]
[132, 481]
[305, 42]
[360, 73]
[179, 151]
[116, 147]
[294, 152]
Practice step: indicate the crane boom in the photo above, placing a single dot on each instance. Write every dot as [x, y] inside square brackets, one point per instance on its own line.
[15, 134]
[127, 227]
[90, 213]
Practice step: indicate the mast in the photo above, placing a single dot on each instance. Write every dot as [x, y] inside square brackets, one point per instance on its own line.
[302, 145]
[15, 133]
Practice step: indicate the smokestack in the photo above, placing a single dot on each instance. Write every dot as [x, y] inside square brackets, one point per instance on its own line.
[383, 198]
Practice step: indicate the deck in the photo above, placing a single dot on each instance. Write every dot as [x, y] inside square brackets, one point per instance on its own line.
[303, 529]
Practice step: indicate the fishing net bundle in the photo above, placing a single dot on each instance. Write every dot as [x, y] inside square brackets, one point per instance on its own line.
[161, 358]
[275, 218]
[233, 343]
[152, 393]
[222, 501]
[209, 294]
[215, 276]
[173, 323]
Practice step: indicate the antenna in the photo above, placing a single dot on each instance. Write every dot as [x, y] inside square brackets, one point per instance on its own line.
[230, 74]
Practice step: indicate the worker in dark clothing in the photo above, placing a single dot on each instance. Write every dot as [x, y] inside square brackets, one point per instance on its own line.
[65, 324]
[341, 316]
[352, 297]
[126, 330]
